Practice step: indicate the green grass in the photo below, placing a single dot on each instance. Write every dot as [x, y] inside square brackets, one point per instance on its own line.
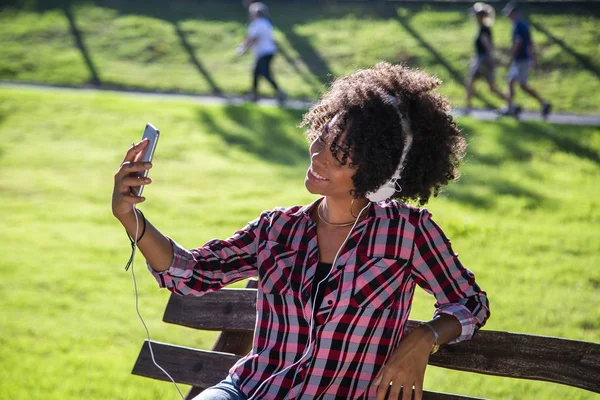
[524, 217]
[189, 46]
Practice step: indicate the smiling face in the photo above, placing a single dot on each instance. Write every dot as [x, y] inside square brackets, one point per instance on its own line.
[329, 174]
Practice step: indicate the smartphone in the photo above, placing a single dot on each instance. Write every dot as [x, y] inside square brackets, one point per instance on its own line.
[149, 133]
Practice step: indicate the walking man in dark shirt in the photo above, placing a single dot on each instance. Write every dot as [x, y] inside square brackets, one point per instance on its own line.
[522, 58]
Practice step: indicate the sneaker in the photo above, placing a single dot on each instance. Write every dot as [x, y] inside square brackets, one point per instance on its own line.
[546, 109]
[250, 96]
[281, 98]
[516, 112]
[503, 112]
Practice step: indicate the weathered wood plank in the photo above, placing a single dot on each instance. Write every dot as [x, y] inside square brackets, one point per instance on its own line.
[225, 310]
[238, 343]
[203, 369]
[568, 362]
[186, 365]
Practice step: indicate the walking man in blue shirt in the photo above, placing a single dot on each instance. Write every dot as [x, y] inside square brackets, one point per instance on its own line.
[522, 58]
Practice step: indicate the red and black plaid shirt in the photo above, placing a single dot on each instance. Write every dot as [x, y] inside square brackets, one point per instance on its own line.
[366, 300]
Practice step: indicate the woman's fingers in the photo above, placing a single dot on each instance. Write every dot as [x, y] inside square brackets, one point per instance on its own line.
[130, 167]
[377, 379]
[135, 150]
[130, 175]
[132, 198]
[132, 181]
[395, 390]
[405, 388]
[383, 386]
[407, 392]
[396, 385]
[418, 390]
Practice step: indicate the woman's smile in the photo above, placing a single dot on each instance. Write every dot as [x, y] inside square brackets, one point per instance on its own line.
[314, 176]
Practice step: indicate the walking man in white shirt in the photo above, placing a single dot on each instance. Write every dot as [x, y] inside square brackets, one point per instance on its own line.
[260, 40]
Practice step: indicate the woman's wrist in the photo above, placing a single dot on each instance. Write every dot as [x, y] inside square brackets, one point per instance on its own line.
[127, 217]
[131, 223]
[433, 336]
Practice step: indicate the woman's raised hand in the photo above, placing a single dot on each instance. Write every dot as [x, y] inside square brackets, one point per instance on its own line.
[127, 178]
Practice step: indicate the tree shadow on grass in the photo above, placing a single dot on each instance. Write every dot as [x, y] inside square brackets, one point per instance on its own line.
[564, 138]
[194, 60]
[307, 78]
[316, 64]
[583, 60]
[79, 41]
[518, 144]
[264, 134]
[176, 12]
[468, 190]
[289, 16]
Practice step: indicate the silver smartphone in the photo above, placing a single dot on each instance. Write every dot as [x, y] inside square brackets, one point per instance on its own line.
[149, 133]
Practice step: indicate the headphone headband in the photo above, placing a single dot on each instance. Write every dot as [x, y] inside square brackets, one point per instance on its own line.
[389, 188]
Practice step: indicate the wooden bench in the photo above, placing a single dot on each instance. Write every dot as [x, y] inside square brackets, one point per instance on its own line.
[232, 311]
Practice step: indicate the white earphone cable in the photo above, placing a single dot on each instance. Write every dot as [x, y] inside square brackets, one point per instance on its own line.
[311, 319]
[137, 308]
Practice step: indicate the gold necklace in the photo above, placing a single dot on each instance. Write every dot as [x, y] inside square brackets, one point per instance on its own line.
[331, 223]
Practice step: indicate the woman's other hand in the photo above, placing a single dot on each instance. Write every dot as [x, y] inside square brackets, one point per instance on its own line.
[406, 367]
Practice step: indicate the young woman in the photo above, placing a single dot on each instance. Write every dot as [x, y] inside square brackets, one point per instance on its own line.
[483, 64]
[337, 277]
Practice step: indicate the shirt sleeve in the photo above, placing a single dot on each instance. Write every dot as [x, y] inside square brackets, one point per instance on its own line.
[438, 271]
[253, 29]
[216, 264]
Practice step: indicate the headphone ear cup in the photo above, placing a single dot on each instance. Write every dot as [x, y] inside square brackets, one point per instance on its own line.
[384, 192]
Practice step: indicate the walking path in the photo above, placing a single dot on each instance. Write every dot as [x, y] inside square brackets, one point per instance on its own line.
[481, 114]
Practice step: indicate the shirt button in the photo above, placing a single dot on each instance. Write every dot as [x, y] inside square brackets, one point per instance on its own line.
[330, 302]
[340, 266]
[312, 260]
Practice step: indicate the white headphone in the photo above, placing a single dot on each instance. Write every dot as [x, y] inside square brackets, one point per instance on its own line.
[389, 188]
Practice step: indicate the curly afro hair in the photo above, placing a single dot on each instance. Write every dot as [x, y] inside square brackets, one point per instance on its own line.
[369, 105]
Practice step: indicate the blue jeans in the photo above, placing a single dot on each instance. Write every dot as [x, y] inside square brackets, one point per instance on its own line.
[224, 390]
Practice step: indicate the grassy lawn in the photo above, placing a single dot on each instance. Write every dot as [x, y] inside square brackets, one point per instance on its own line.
[189, 46]
[524, 217]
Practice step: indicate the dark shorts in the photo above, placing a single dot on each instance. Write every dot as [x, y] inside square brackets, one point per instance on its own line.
[482, 67]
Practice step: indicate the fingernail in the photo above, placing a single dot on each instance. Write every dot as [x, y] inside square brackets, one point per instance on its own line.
[147, 180]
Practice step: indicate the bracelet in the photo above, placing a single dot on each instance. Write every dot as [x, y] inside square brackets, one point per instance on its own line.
[436, 336]
[143, 228]
[134, 242]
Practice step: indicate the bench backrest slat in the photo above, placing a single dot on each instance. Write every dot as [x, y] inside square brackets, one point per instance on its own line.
[549, 359]
[225, 310]
[203, 369]
[186, 365]
[564, 361]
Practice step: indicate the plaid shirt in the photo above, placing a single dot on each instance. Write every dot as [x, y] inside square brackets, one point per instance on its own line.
[366, 303]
